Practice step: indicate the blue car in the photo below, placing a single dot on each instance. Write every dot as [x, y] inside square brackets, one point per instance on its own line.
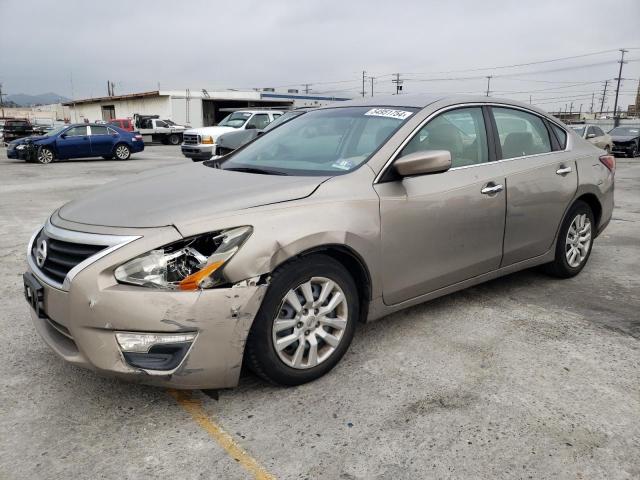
[77, 141]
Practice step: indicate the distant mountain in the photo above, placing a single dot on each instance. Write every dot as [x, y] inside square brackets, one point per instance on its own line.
[24, 100]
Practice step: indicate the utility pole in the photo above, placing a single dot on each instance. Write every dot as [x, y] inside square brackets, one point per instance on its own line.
[529, 99]
[306, 87]
[571, 109]
[616, 118]
[1, 101]
[604, 96]
[593, 96]
[398, 83]
[489, 77]
[372, 78]
[363, 77]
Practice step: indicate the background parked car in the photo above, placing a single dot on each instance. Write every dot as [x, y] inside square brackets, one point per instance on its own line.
[77, 141]
[199, 143]
[157, 130]
[123, 123]
[228, 142]
[626, 140]
[17, 128]
[594, 135]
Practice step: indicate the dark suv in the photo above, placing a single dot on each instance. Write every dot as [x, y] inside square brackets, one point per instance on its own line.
[17, 128]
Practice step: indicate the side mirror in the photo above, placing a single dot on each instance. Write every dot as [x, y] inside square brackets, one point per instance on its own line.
[421, 163]
[64, 135]
[250, 127]
[591, 135]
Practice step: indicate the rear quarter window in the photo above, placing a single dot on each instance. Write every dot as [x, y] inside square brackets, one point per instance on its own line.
[560, 134]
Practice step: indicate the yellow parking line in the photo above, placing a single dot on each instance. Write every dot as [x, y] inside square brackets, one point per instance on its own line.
[226, 441]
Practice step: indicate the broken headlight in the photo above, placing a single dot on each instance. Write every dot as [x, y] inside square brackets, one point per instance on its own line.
[189, 264]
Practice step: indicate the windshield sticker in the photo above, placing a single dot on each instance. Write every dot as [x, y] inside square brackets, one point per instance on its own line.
[389, 113]
[343, 164]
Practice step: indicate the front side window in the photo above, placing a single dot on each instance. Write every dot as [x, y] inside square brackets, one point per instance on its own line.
[329, 141]
[599, 132]
[76, 131]
[521, 133]
[460, 131]
[98, 130]
[161, 124]
[259, 121]
[235, 120]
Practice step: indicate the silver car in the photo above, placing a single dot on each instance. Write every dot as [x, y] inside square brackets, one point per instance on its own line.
[595, 135]
[344, 215]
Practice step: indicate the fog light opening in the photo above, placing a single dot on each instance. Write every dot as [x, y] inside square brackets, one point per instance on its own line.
[155, 351]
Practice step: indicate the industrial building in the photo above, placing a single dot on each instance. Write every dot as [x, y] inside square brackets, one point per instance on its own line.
[186, 107]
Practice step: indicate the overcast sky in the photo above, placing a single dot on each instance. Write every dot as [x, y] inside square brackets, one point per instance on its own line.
[255, 43]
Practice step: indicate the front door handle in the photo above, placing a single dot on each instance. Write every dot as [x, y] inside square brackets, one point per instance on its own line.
[563, 170]
[492, 189]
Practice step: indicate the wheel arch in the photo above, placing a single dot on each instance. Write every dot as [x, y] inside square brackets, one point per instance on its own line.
[594, 203]
[353, 262]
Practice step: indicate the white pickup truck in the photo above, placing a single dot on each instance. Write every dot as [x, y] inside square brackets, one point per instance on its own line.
[156, 130]
[200, 143]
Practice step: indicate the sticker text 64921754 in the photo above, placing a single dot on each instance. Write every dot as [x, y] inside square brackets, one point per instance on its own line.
[389, 113]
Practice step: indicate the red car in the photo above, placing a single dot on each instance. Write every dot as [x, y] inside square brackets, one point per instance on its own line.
[123, 123]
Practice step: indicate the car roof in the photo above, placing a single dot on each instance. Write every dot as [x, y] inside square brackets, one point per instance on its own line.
[422, 100]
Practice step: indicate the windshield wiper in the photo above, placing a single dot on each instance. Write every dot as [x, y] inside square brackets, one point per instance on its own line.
[260, 171]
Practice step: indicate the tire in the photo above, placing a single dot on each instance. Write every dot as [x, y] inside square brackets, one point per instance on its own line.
[122, 151]
[45, 155]
[580, 218]
[294, 364]
[108, 157]
[174, 139]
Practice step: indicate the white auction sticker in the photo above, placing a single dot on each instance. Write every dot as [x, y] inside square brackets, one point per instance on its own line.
[390, 113]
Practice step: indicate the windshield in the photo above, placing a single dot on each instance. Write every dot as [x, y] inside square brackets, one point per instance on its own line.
[283, 119]
[627, 131]
[579, 129]
[235, 120]
[55, 131]
[323, 142]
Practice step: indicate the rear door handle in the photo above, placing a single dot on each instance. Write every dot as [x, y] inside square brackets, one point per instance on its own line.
[491, 189]
[563, 170]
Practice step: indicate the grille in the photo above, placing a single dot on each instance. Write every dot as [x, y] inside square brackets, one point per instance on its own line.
[191, 139]
[61, 255]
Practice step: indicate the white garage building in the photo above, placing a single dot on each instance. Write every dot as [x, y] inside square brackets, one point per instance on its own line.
[185, 107]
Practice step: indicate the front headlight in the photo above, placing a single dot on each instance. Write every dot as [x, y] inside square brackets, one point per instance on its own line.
[189, 264]
[208, 140]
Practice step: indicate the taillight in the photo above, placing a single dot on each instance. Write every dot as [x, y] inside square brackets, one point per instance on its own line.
[609, 161]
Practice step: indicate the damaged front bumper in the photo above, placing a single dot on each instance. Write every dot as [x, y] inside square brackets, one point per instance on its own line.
[196, 339]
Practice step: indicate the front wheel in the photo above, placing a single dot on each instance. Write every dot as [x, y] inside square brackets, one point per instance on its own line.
[45, 155]
[305, 323]
[575, 240]
[122, 152]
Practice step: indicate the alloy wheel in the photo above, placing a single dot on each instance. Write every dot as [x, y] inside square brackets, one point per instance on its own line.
[578, 240]
[45, 155]
[310, 324]
[122, 152]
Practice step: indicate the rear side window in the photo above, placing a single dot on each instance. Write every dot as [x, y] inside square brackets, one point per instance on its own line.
[98, 130]
[521, 133]
[560, 134]
[459, 131]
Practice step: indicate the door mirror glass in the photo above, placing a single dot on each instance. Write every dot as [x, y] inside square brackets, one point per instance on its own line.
[423, 162]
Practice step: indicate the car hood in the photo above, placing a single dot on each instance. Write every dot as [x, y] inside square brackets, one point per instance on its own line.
[174, 195]
[32, 138]
[623, 138]
[213, 131]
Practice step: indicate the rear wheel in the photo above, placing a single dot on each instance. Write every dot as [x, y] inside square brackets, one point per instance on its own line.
[575, 240]
[305, 323]
[174, 139]
[122, 152]
[45, 155]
